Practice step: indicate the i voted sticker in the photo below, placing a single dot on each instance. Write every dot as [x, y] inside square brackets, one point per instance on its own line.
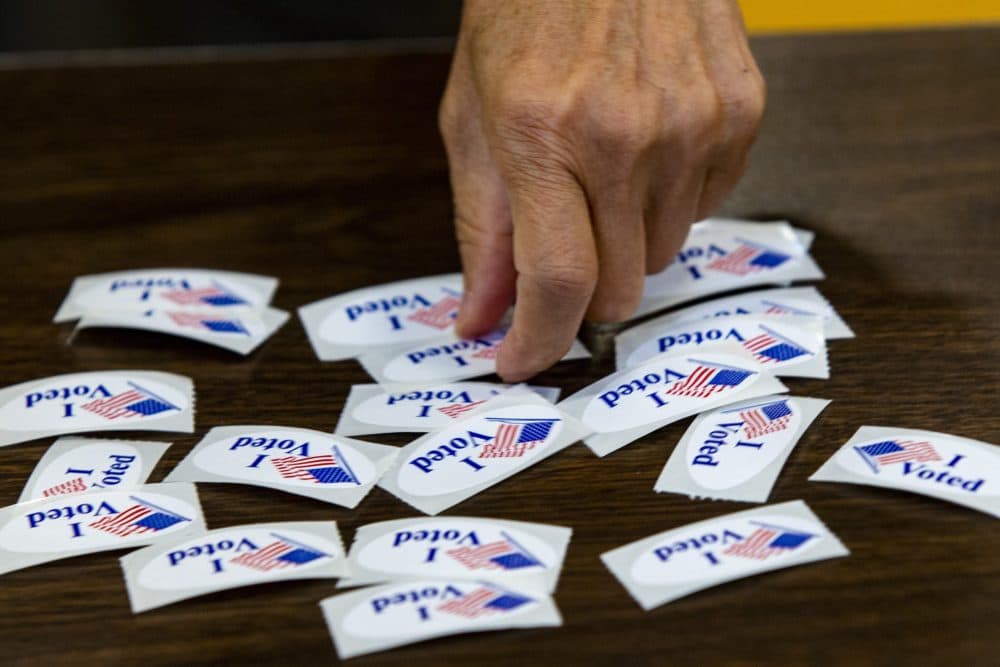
[384, 617]
[309, 463]
[676, 563]
[444, 360]
[790, 302]
[721, 255]
[373, 408]
[504, 436]
[80, 465]
[180, 569]
[528, 556]
[98, 401]
[631, 403]
[393, 314]
[239, 332]
[50, 529]
[784, 346]
[166, 289]
[953, 469]
[736, 452]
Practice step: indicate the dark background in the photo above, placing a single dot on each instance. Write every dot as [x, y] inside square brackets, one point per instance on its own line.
[47, 25]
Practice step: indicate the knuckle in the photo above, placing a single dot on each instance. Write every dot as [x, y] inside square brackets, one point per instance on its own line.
[564, 279]
[622, 128]
[744, 103]
[616, 309]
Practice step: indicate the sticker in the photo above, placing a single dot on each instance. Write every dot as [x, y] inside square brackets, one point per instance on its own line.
[240, 332]
[528, 556]
[627, 405]
[675, 563]
[186, 567]
[504, 436]
[444, 360]
[98, 401]
[720, 255]
[953, 469]
[737, 452]
[164, 289]
[308, 463]
[79, 465]
[384, 617]
[399, 313]
[373, 408]
[790, 302]
[51, 529]
[784, 346]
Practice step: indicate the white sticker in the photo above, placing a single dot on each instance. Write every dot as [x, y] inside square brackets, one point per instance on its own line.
[675, 563]
[80, 465]
[54, 528]
[444, 360]
[790, 302]
[308, 463]
[240, 332]
[737, 452]
[169, 289]
[720, 255]
[393, 314]
[373, 408]
[179, 569]
[384, 617]
[528, 556]
[953, 469]
[629, 404]
[98, 401]
[505, 435]
[786, 347]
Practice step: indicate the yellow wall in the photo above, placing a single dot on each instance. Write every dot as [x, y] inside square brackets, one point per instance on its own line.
[797, 15]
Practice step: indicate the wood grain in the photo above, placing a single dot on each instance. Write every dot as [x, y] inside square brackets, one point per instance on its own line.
[329, 174]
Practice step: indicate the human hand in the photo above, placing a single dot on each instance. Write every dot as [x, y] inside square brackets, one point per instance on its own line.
[584, 137]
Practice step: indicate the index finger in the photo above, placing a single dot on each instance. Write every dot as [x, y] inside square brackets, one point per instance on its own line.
[556, 261]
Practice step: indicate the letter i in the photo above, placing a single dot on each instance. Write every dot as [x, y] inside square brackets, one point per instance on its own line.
[256, 461]
[656, 399]
[460, 360]
[216, 565]
[711, 557]
[76, 529]
[695, 273]
[424, 616]
[424, 409]
[394, 321]
[472, 464]
[431, 555]
[955, 459]
[68, 410]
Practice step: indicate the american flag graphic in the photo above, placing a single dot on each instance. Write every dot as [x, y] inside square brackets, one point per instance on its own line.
[503, 554]
[279, 554]
[210, 296]
[770, 347]
[487, 353]
[456, 410]
[319, 469]
[763, 419]
[142, 517]
[75, 485]
[439, 314]
[208, 322]
[775, 308]
[748, 258]
[767, 542]
[888, 452]
[134, 402]
[482, 602]
[515, 437]
[706, 380]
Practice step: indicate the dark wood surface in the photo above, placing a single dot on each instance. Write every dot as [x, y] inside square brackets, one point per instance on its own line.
[328, 173]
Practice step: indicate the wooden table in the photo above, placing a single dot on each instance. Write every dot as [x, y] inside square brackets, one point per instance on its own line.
[328, 173]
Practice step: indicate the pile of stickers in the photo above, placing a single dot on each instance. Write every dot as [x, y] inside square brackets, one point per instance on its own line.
[222, 308]
[720, 361]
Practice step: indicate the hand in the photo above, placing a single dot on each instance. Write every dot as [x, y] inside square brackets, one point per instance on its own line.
[584, 137]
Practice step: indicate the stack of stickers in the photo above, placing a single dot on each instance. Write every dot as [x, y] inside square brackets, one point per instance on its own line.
[445, 576]
[222, 308]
